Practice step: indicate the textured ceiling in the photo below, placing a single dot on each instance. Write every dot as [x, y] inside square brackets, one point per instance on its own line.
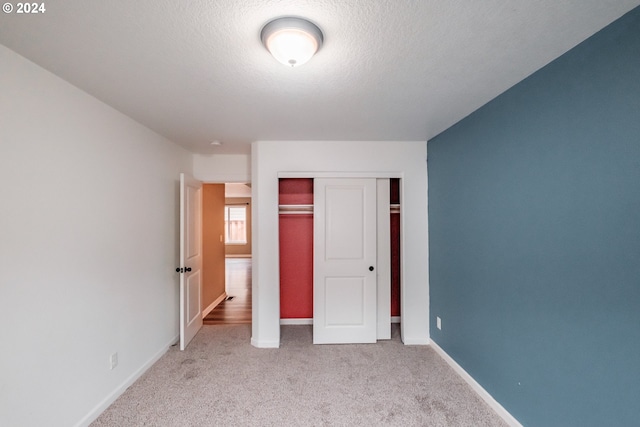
[195, 71]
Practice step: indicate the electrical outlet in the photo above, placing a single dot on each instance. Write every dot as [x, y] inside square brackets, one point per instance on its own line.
[438, 322]
[113, 360]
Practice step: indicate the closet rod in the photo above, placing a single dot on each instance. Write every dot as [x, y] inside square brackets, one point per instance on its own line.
[308, 209]
[295, 209]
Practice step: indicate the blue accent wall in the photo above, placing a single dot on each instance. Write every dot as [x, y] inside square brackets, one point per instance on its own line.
[534, 238]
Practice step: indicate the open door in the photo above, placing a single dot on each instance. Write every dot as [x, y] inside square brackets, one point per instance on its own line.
[190, 258]
[344, 282]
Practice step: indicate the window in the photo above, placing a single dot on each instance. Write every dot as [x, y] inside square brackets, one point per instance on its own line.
[235, 225]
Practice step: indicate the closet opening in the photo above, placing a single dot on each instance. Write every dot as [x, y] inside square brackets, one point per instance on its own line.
[296, 244]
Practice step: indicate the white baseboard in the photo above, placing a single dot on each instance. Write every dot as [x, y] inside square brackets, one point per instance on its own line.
[301, 321]
[480, 391]
[415, 341]
[213, 305]
[264, 344]
[107, 401]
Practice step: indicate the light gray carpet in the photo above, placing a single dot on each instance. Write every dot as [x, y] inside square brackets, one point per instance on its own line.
[221, 380]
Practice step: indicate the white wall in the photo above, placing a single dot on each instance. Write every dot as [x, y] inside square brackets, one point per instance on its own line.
[88, 247]
[222, 168]
[402, 159]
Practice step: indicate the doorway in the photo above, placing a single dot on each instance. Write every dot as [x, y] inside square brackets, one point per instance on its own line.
[227, 234]
[236, 307]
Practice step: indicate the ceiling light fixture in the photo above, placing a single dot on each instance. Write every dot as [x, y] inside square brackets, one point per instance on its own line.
[292, 41]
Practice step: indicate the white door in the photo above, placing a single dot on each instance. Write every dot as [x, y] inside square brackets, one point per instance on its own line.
[190, 258]
[344, 278]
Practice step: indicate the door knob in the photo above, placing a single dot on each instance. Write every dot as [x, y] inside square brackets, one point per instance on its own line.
[371, 268]
[179, 270]
[187, 269]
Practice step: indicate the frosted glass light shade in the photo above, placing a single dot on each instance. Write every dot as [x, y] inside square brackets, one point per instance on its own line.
[292, 41]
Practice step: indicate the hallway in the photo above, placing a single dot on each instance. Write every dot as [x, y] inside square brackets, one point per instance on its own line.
[236, 309]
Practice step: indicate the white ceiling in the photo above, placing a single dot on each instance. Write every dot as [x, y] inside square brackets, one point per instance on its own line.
[195, 71]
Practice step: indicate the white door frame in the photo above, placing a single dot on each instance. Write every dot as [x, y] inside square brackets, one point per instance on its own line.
[383, 261]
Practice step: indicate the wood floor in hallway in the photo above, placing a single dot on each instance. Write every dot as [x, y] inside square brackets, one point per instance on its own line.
[237, 309]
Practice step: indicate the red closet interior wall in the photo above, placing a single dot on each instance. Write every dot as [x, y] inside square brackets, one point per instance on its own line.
[395, 248]
[296, 250]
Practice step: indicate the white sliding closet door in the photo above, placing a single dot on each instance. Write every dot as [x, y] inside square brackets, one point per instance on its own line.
[345, 287]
